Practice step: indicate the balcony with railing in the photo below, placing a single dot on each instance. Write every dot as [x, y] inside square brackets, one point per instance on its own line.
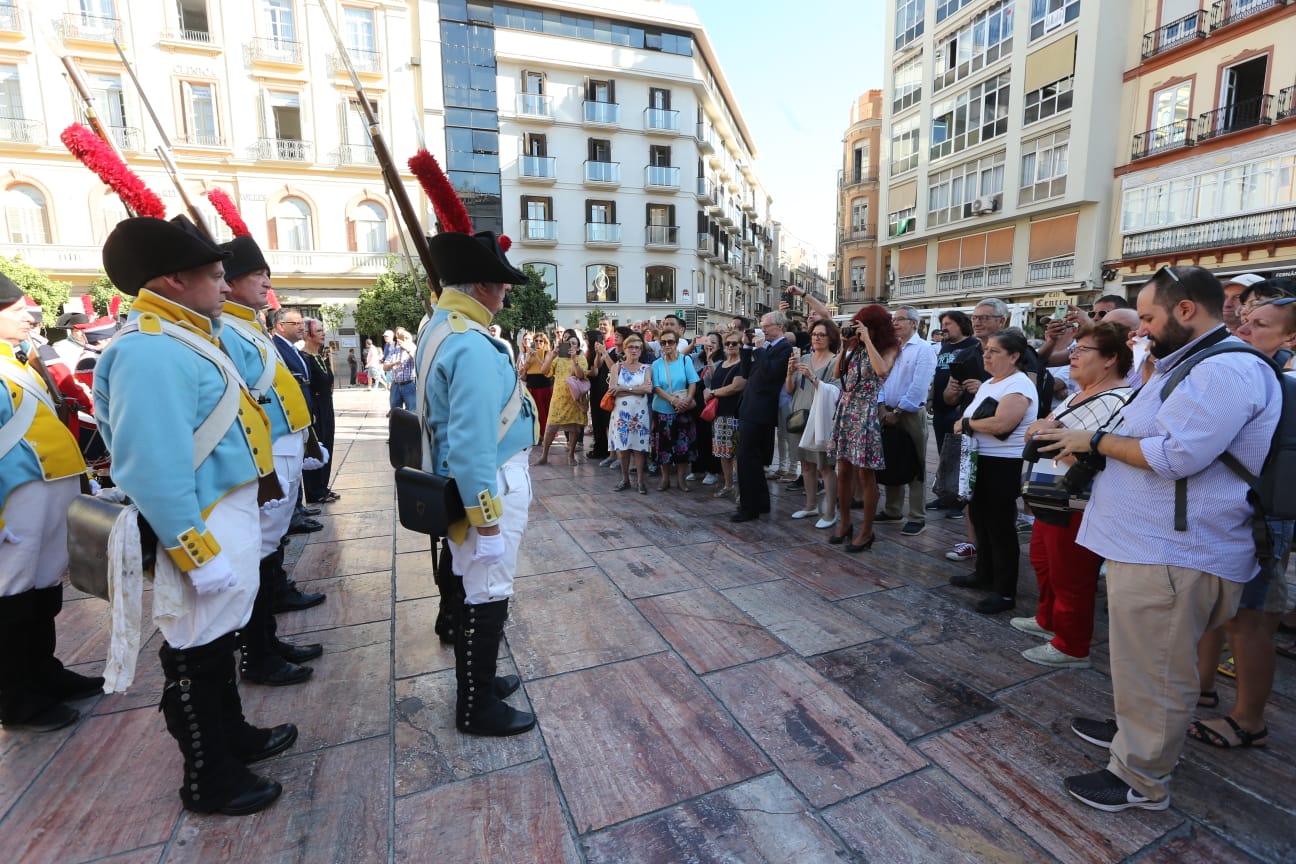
[705, 137]
[602, 113]
[1234, 117]
[331, 264]
[911, 286]
[1285, 104]
[948, 281]
[89, 28]
[10, 20]
[1186, 29]
[127, 138]
[535, 106]
[1054, 270]
[603, 233]
[603, 173]
[60, 259]
[538, 169]
[1168, 137]
[357, 154]
[283, 149]
[186, 36]
[1263, 227]
[201, 139]
[1228, 12]
[539, 231]
[661, 235]
[661, 177]
[706, 246]
[281, 51]
[661, 120]
[18, 130]
[365, 61]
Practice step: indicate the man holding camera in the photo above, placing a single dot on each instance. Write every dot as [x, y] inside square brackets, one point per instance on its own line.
[1175, 525]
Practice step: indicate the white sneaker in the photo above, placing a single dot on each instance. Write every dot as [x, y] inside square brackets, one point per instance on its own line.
[771, 473]
[1031, 626]
[1047, 655]
[802, 514]
[826, 523]
[710, 480]
[690, 476]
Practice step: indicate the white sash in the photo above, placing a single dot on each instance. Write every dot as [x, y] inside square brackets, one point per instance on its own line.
[269, 353]
[15, 429]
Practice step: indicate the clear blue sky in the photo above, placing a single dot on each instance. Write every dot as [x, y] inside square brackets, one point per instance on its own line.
[796, 68]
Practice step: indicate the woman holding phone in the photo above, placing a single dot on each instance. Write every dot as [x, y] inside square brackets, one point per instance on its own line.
[565, 412]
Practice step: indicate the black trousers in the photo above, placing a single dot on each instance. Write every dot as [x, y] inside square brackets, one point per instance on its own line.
[316, 483]
[755, 451]
[993, 512]
[599, 418]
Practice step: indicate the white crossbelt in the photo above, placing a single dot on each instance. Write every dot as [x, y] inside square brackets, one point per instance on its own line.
[16, 427]
[269, 353]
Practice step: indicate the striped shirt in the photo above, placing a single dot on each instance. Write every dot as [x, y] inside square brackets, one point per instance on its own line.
[1228, 402]
[403, 371]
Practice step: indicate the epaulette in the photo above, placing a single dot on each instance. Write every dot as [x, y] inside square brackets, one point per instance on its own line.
[458, 323]
[150, 323]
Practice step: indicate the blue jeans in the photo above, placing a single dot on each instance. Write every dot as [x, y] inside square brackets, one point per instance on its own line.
[402, 395]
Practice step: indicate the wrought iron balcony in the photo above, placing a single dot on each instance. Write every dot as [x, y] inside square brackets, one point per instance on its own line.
[357, 154]
[274, 51]
[602, 112]
[364, 61]
[283, 149]
[18, 130]
[201, 139]
[606, 233]
[11, 19]
[126, 138]
[1232, 11]
[1215, 234]
[1191, 26]
[179, 34]
[661, 176]
[1286, 105]
[1162, 138]
[539, 231]
[90, 28]
[541, 168]
[661, 235]
[602, 172]
[1234, 117]
[661, 120]
[1055, 270]
[535, 105]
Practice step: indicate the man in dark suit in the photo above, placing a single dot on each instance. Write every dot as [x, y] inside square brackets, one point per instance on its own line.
[758, 414]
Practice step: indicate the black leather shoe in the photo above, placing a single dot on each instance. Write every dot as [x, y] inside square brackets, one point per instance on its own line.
[293, 600]
[743, 516]
[281, 738]
[298, 653]
[284, 675]
[968, 580]
[71, 686]
[856, 548]
[506, 685]
[304, 526]
[262, 794]
[995, 604]
[48, 719]
[311, 511]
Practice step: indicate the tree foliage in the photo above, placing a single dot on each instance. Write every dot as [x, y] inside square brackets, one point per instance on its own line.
[102, 292]
[593, 317]
[333, 313]
[531, 307]
[391, 302]
[50, 294]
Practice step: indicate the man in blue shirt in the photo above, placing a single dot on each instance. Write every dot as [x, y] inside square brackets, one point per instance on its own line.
[903, 403]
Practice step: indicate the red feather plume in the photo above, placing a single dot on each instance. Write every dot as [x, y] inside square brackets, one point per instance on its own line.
[505, 242]
[92, 152]
[228, 213]
[114, 305]
[450, 210]
[87, 305]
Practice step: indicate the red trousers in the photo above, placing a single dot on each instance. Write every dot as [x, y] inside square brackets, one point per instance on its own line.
[542, 396]
[1068, 580]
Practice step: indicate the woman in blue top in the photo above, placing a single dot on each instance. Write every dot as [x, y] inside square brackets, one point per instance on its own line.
[674, 432]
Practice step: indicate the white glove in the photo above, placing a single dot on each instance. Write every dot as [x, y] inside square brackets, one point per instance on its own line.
[7, 536]
[324, 455]
[273, 504]
[311, 464]
[490, 549]
[112, 494]
[215, 576]
[95, 488]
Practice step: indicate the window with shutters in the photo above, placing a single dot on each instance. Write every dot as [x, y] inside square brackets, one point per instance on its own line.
[369, 228]
[26, 217]
[199, 114]
[291, 225]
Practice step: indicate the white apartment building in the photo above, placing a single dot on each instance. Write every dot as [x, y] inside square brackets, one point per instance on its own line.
[1000, 137]
[605, 141]
[253, 99]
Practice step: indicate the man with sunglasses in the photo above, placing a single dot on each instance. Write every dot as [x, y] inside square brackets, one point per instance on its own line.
[1178, 557]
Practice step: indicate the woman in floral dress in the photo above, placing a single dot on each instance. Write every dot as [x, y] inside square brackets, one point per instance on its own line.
[869, 349]
[630, 383]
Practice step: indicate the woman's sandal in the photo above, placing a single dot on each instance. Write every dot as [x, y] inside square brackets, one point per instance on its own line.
[624, 484]
[643, 489]
[838, 539]
[1199, 731]
[1208, 699]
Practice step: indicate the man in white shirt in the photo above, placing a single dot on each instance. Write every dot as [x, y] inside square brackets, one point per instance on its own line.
[902, 402]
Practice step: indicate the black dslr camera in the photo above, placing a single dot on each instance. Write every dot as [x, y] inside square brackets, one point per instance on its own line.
[850, 331]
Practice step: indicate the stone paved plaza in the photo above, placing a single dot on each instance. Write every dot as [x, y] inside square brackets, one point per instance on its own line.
[706, 692]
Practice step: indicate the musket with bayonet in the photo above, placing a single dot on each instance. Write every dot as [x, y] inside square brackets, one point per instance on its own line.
[391, 175]
[164, 152]
[93, 120]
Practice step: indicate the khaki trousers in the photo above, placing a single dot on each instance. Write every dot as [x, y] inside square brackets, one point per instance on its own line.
[915, 426]
[1157, 614]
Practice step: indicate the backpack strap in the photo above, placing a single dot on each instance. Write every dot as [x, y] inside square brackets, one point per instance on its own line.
[1177, 375]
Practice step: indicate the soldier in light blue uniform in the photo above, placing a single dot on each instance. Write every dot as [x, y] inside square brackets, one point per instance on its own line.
[155, 388]
[481, 434]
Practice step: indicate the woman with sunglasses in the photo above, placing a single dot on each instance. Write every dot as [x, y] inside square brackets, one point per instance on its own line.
[706, 355]
[566, 413]
[538, 384]
[674, 432]
[630, 383]
[728, 378]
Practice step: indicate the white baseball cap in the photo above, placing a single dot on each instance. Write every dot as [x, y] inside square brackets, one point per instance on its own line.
[1246, 280]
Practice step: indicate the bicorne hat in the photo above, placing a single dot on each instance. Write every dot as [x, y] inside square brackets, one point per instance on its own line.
[464, 259]
[10, 293]
[145, 248]
[245, 257]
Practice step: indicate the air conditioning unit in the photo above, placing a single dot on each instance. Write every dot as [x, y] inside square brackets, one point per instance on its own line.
[985, 204]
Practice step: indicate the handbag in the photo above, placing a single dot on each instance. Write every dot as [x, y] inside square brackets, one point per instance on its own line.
[90, 522]
[427, 503]
[1052, 486]
[796, 421]
[677, 394]
[608, 402]
[362, 378]
[578, 388]
[900, 457]
[987, 409]
[709, 409]
[946, 484]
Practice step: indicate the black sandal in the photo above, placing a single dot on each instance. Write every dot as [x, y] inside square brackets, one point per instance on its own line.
[1208, 699]
[1199, 731]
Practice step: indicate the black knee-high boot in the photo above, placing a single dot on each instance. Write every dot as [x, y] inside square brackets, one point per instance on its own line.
[247, 742]
[272, 564]
[478, 710]
[451, 589]
[261, 663]
[24, 704]
[215, 780]
[61, 683]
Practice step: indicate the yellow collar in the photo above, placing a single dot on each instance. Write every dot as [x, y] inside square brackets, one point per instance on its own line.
[243, 313]
[7, 351]
[453, 301]
[169, 310]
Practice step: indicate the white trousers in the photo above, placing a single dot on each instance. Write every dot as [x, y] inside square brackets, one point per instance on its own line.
[289, 450]
[488, 583]
[36, 512]
[195, 619]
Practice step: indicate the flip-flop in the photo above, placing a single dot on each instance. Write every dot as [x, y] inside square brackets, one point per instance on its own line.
[1228, 668]
[1199, 731]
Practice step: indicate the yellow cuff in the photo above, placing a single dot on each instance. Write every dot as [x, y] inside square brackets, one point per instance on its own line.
[488, 511]
[194, 550]
[459, 531]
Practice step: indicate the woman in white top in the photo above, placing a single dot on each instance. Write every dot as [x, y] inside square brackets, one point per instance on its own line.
[1000, 435]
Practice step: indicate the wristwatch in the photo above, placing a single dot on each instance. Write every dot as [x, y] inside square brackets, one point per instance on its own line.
[1093, 442]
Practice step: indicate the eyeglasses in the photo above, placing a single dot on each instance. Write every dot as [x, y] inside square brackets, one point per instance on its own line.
[1100, 315]
[1277, 301]
[985, 317]
[669, 342]
[905, 318]
[1076, 349]
[733, 344]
